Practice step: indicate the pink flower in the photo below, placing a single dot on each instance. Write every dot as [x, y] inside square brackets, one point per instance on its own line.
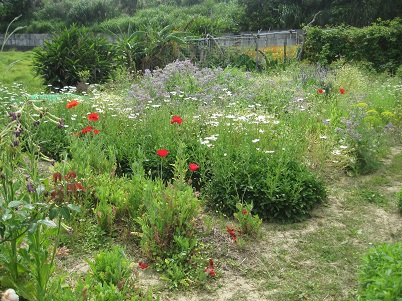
[162, 152]
[193, 166]
[176, 119]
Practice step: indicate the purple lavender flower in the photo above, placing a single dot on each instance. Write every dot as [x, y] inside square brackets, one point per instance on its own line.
[31, 188]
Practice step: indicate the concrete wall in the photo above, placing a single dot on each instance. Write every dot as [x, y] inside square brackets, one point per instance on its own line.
[24, 41]
[264, 39]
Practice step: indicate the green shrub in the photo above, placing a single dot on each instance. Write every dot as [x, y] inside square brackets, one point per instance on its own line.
[84, 12]
[110, 267]
[71, 51]
[280, 189]
[379, 45]
[380, 275]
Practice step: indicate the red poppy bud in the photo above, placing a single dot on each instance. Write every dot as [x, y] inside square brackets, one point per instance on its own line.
[342, 90]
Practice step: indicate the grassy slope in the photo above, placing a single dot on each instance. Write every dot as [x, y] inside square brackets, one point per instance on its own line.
[15, 67]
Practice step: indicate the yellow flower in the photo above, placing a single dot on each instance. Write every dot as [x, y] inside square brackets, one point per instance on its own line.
[387, 114]
[372, 112]
[362, 105]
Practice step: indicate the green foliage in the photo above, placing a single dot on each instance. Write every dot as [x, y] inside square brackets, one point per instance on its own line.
[71, 51]
[168, 229]
[399, 201]
[110, 267]
[85, 13]
[380, 273]
[249, 224]
[91, 287]
[280, 189]
[378, 44]
[30, 219]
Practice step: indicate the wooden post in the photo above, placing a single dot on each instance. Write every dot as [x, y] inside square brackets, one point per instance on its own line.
[285, 43]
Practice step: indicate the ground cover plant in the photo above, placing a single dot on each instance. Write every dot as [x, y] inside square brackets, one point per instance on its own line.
[196, 177]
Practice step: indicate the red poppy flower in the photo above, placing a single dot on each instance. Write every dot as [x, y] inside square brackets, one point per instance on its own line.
[96, 132]
[211, 263]
[93, 117]
[176, 119]
[320, 91]
[72, 104]
[162, 152]
[87, 129]
[244, 211]
[231, 231]
[193, 166]
[342, 90]
[212, 272]
[143, 265]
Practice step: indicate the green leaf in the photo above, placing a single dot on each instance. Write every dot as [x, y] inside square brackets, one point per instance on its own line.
[74, 207]
[53, 213]
[65, 213]
[14, 204]
[48, 223]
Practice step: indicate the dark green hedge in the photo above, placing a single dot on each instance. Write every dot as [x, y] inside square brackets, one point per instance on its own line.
[379, 45]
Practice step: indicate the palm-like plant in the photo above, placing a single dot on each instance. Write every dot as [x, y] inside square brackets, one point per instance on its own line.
[130, 47]
[163, 46]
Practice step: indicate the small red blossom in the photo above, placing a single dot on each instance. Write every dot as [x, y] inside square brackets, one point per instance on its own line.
[320, 91]
[162, 152]
[86, 129]
[232, 233]
[342, 90]
[244, 211]
[193, 166]
[72, 104]
[143, 265]
[176, 119]
[96, 132]
[210, 268]
[93, 117]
